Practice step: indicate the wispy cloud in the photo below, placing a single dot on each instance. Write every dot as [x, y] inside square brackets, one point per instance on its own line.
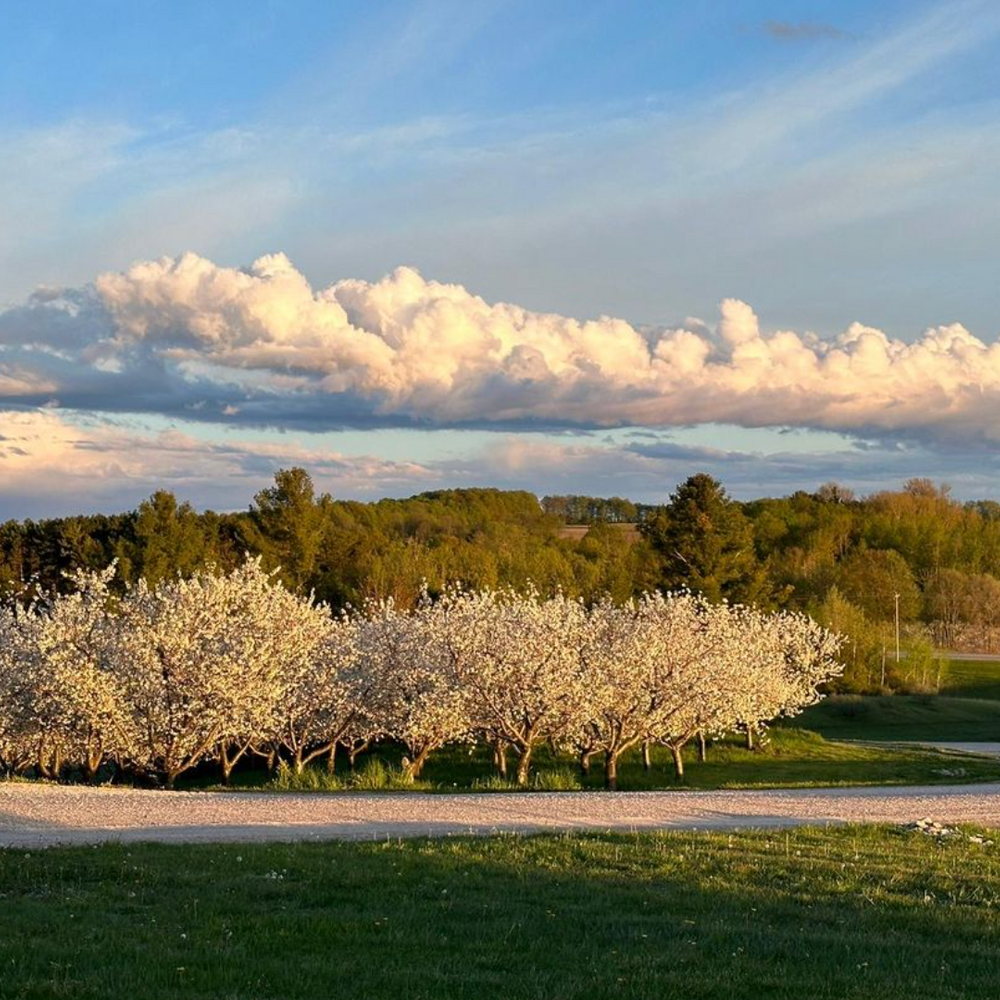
[799, 31]
[54, 463]
[58, 463]
[514, 200]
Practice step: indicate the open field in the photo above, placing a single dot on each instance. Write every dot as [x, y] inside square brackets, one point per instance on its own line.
[931, 718]
[846, 913]
[577, 532]
[972, 678]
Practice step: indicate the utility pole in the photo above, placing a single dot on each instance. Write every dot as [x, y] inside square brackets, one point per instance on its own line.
[896, 597]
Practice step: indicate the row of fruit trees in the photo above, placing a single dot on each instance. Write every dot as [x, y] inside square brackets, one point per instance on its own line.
[218, 667]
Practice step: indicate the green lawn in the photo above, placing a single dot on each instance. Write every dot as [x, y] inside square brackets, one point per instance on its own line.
[903, 717]
[792, 758]
[848, 913]
[972, 679]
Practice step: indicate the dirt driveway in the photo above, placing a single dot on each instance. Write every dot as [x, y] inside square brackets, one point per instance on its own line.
[37, 815]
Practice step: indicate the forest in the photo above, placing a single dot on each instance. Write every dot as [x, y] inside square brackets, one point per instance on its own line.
[847, 561]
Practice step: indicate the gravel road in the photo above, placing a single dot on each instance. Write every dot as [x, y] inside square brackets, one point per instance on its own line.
[36, 815]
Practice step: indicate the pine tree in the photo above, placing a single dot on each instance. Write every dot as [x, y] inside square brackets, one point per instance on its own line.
[290, 521]
[705, 543]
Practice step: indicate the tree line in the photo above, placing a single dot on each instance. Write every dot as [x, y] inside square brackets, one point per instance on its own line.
[155, 680]
[345, 552]
[841, 558]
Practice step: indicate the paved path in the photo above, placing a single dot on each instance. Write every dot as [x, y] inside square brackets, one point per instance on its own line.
[35, 815]
[977, 657]
[982, 749]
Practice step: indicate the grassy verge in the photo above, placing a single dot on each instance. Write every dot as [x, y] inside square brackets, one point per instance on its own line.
[903, 717]
[850, 912]
[972, 679]
[794, 758]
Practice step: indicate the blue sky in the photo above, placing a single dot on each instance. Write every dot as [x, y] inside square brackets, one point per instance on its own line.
[827, 164]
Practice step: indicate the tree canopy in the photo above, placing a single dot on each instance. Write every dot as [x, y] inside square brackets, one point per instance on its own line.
[829, 553]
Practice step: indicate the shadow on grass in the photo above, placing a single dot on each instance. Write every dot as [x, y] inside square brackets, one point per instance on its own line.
[802, 913]
[903, 717]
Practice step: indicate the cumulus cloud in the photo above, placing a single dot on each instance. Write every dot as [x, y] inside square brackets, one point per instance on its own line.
[261, 347]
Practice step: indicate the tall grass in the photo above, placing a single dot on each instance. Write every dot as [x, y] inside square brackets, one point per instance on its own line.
[559, 779]
[375, 776]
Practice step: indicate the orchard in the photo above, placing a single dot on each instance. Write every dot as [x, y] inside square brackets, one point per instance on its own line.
[157, 680]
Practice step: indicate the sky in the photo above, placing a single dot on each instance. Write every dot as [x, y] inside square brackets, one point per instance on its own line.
[564, 247]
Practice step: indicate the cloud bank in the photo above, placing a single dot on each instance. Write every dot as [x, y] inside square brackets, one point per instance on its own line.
[184, 337]
[58, 463]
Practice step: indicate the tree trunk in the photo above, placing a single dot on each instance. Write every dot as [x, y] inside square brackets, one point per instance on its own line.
[359, 747]
[41, 763]
[227, 763]
[647, 762]
[750, 737]
[93, 758]
[585, 756]
[500, 758]
[523, 765]
[91, 767]
[678, 756]
[414, 767]
[702, 747]
[298, 761]
[331, 759]
[611, 771]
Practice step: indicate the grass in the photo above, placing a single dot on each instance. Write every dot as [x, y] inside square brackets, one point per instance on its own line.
[903, 717]
[848, 913]
[375, 775]
[794, 758]
[972, 679]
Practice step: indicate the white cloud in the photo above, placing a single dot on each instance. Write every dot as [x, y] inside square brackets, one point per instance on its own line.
[184, 336]
[55, 463]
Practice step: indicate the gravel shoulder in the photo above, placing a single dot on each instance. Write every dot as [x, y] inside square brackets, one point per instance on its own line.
[39, 815]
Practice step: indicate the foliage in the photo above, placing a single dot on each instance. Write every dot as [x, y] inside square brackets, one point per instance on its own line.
[705, 542]
[593, 510]
[221, 665]
[806, 552]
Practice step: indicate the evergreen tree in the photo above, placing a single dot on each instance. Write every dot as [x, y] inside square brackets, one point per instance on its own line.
[705, 543]
[288, 524]
[169, 539]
